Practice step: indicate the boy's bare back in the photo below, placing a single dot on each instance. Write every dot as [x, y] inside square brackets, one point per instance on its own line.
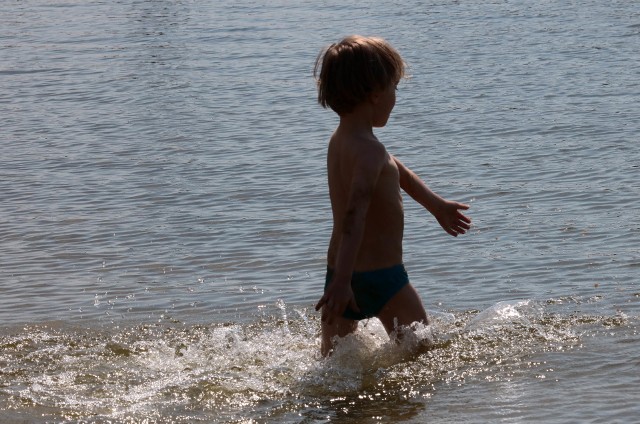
[360, 169]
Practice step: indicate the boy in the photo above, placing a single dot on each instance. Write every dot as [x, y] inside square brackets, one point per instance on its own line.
[357, 78]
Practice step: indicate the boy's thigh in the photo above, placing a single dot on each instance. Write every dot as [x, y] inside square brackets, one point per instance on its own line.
[404, 308]
[339, 327]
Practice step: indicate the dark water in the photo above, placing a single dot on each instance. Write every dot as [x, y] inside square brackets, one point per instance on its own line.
[164, 213]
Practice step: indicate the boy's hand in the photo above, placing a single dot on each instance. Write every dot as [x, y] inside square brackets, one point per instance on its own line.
[451, 219]
[336, 299]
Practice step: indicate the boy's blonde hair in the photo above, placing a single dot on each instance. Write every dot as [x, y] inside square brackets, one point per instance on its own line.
[348, 72]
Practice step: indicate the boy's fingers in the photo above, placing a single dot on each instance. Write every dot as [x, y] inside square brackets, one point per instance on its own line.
[321, 302]
[353, 305]
[462, 226]
[465, 219]
[462, 216]
[326, 316]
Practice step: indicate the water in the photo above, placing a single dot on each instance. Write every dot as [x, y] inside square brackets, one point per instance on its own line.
[164, 213]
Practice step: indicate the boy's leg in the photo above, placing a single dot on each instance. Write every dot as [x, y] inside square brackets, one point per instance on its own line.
[339, 327]
[403, 309]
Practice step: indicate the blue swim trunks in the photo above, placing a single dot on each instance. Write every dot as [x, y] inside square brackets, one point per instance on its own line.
[373, 289]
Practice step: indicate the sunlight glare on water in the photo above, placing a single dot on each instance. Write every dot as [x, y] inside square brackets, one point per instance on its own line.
[271, 369]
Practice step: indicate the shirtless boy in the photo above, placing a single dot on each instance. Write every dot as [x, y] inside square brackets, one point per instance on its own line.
[357, 78]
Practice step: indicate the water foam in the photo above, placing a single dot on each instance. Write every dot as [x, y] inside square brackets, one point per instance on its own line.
[271, 367]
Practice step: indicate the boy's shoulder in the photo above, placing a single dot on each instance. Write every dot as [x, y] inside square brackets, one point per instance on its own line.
[356, 143]
[357, 149]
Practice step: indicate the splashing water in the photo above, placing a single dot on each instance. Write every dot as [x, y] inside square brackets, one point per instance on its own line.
[268, 369]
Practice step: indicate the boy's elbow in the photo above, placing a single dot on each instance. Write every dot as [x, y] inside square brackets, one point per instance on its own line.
[407, 183]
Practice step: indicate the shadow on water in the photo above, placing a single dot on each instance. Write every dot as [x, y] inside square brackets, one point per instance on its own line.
[270, 370]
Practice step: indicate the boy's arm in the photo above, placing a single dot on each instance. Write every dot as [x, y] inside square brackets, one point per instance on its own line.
[447, 212]
[339, 295]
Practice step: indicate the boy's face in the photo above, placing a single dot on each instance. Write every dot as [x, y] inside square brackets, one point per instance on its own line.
[384, 101]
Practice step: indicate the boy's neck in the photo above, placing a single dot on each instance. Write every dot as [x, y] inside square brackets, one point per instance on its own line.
[359, 121]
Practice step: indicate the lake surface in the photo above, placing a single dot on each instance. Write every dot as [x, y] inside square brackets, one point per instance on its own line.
[164, 213]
